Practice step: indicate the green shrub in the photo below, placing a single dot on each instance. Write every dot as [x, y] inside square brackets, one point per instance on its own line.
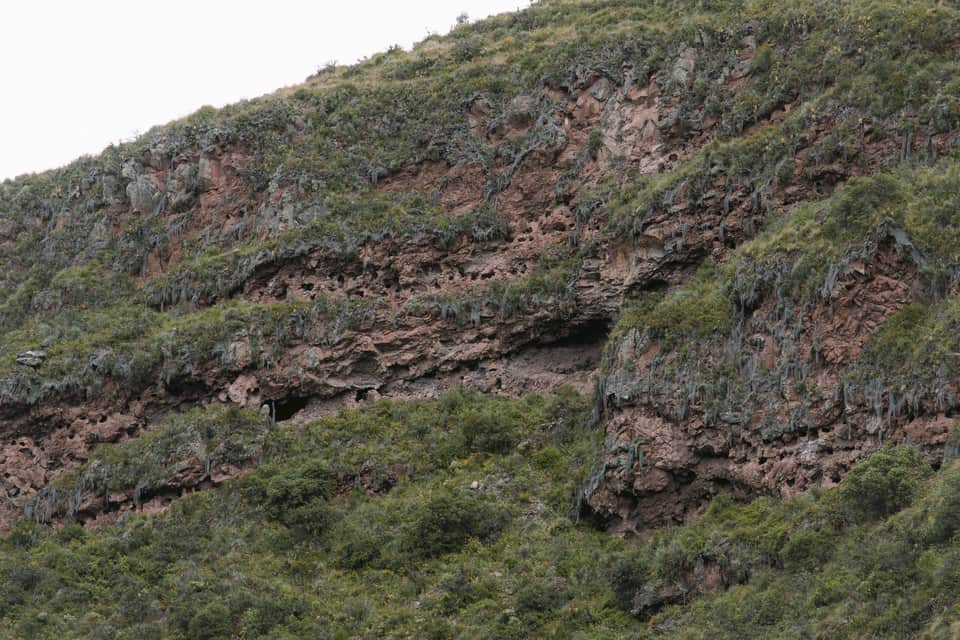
[296, 495]
[946, 504]
[883, 483]
[366, 537]
[488, 432]
[628, 576]
[211, 622]
[461, 590]
[449, 518]
[540, 598]
[763, 59]
[807, 549]
[550, 459]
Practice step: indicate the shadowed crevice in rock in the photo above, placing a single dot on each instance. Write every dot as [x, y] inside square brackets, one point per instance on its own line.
[593, 331]
[287, 408]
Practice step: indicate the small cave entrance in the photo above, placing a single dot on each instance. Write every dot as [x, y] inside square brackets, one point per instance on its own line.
[185, 387]
[283, 409]
[591, 332]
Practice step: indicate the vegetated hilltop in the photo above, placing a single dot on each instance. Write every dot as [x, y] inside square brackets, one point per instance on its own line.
[570, 274]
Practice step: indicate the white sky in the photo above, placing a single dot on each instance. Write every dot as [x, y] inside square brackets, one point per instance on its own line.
[77, 76]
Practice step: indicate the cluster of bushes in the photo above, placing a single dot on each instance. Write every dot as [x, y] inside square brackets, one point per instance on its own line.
[874, 556]
[478, 540]
[479, 544]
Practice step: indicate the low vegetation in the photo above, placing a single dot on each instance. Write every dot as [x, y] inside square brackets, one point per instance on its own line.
[455, 518]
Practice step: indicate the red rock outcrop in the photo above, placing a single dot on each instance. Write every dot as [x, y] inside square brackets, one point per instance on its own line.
[659, 467]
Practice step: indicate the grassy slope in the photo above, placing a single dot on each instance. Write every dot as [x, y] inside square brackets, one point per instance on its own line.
[293, 551]
[278, 554]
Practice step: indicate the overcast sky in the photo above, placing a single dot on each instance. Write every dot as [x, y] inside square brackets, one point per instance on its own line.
[77, 76]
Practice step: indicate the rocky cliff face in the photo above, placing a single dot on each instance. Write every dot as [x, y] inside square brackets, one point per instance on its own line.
[401, 228]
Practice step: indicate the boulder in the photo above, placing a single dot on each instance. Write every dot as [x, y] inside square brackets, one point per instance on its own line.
[144, 197]
[32, 358]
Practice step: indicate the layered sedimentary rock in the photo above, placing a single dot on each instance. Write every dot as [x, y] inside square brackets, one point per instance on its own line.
[521, 243]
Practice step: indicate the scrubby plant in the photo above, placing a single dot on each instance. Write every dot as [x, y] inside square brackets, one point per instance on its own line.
[295, 495]
[448, 518]
[883, 483]
[945, 505]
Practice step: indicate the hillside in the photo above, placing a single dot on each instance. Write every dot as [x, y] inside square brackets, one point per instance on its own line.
[597, 319]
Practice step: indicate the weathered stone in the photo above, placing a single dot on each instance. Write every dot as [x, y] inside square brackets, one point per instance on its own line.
[144, 197]
[182, 186]
[520, 111]
[32, 358]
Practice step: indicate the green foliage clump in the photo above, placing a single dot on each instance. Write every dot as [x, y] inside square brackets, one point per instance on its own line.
[802, 567]
[296, 496]
[807, 550]
[884, 483]
[448, 519]
[296, 549]
[945, 505]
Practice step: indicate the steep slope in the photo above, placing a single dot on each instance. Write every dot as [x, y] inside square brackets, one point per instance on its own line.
[420, 221]
[730, 223]
[824, 337]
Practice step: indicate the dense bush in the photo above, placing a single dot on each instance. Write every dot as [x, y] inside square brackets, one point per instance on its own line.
[883, 483]
[946, 505]
[296, 495]
[808, 549]
[488, 432]
[211, 622]
[448, 519]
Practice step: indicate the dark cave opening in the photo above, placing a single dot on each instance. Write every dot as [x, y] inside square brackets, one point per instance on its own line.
[591, 332]
[283, 409]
